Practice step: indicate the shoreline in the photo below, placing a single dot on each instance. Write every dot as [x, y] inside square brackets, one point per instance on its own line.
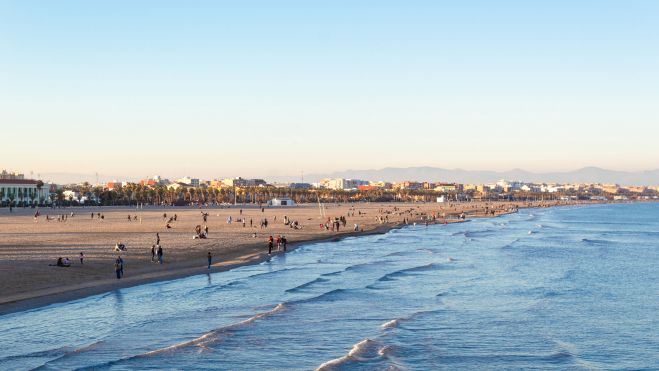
[245, 254]
[77, 292]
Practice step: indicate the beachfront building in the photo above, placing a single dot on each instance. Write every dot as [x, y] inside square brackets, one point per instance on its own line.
[300, 186]
[447, 187]
[240, 182]
[381, 184]
[342, 184]
[192, 182]
[19, 191]
[284, 201]
[409, 185]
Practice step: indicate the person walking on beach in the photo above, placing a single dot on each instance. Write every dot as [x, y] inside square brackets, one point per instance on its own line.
[116, 269]
[120, 261]
[160, 254]
[157, 238]
[210, 259]
[270, 243]
[284, 241]
[82, 257]
[153, 253]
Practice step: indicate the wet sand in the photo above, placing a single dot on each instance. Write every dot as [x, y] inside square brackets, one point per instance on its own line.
[27, 247]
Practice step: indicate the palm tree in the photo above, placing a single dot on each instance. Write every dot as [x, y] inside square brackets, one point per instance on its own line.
[39, 187]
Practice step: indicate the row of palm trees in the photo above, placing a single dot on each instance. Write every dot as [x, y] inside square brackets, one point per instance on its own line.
[132, 194]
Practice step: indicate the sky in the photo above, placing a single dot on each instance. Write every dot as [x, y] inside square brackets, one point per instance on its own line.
[260, 88]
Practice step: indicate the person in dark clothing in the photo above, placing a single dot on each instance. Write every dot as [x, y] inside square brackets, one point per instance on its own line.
[160, 254]
[284, 242]
[270, 244]
[153, 252]
[120, 261]
[210, 259]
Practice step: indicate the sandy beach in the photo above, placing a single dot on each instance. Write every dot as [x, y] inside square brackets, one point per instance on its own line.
[29, 247]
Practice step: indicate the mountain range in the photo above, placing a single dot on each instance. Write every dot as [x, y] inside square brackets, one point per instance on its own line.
[435, 174]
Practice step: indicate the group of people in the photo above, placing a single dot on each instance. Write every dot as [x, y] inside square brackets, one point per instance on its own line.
[60, 217]
[171, 220]
[134, 218]
[66, 262]
[98, 216]
[335, 224]
[201, 232]
[280, 242]
[291, 223]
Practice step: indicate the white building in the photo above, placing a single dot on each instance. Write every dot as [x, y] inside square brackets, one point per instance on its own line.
[343, 184]
[23, 191]
[284, 201]
[194, 182]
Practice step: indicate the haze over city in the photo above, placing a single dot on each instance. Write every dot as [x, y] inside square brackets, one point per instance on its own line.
[263, 88]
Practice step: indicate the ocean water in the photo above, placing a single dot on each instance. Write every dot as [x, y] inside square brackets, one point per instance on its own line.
[562, 288]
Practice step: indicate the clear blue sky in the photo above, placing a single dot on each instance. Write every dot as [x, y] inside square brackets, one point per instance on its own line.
[219, 88]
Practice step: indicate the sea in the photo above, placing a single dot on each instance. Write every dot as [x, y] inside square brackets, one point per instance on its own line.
[563, 288]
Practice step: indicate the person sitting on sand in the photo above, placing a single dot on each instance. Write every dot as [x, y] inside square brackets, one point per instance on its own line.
[120, 247]
[63, 263]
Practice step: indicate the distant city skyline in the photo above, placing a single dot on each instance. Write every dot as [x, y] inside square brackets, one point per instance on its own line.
[273, 88]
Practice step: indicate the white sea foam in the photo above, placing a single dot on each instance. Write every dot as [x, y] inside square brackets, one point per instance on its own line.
[212, 336]
[391, 324]
[358, 353]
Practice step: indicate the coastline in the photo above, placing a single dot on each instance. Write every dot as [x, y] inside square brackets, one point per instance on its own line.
[244, 254]
[42, 298]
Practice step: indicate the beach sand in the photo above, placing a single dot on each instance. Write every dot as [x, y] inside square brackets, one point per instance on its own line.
[27, 247]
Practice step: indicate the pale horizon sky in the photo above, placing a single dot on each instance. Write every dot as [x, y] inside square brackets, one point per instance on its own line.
[251, 88]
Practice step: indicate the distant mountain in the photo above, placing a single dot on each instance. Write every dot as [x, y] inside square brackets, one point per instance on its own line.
[434, 174]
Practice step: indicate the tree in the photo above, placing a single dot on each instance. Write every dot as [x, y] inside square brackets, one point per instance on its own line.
[39, 188]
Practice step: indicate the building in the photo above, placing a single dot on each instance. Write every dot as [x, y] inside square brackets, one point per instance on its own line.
[300, 186]
[409, 185]
[447, 187]
[5, 175]
[342, 184]
[19, 191]
[284, 201]
[113, 185]
[192, 182]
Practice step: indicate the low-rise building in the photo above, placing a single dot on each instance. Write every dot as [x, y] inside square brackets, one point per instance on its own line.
[19, 191]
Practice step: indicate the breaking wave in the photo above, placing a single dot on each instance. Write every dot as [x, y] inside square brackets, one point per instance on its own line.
[307, 284]
[214, 336]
